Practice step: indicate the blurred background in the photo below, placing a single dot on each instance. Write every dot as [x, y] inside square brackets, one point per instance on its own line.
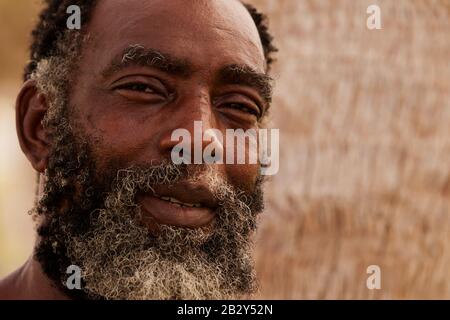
[364, 173]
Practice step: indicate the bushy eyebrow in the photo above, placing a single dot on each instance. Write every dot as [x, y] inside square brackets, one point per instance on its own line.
[246, 76]
[137, 55]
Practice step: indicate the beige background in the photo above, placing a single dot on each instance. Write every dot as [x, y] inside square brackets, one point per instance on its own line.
[364, 176]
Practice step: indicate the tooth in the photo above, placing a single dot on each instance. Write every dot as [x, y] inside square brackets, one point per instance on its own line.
[179, 203]
[175, 200]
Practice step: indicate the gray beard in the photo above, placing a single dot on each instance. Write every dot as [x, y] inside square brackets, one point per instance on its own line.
[121, 259]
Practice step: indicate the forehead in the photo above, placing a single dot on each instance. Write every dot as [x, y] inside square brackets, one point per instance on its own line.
[207, 33]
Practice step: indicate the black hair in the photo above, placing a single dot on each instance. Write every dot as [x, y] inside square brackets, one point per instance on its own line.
[51, 26]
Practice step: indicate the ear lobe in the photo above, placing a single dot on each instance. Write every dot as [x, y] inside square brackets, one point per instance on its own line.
[31, 107]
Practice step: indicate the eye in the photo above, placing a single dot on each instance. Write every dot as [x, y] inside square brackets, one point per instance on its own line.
[145, 90]
[240, 107]
[141, 87]
[244, 108]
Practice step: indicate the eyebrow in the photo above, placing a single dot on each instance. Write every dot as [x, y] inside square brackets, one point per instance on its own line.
[137, 55]
[247, 76]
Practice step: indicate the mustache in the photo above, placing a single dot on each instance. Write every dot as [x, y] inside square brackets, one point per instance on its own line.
[146, 178]
[164, 172]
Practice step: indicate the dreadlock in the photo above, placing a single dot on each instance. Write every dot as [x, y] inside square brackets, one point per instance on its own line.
[49, 31]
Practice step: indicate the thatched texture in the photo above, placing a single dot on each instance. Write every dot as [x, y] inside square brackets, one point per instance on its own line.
[365, 141]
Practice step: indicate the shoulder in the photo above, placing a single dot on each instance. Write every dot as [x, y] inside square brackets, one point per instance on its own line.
[8, 286]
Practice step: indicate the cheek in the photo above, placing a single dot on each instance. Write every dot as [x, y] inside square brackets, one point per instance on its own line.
[118, 130]
[243, 176]
[121, 139]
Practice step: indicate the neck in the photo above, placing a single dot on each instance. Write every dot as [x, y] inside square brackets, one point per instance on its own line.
[29, 282]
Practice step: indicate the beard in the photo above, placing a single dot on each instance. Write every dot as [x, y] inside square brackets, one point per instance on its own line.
[90, 218]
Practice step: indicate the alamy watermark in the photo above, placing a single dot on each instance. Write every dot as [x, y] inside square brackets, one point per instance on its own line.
[242, 147]
[374, 20]
[374, 280]
[74, 20]
[74, 280]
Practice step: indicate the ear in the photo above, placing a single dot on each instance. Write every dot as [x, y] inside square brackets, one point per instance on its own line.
[31, 107]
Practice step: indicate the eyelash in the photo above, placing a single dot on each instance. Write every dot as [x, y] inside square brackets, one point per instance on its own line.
[141, 87]
[243, 107]
[137, 87]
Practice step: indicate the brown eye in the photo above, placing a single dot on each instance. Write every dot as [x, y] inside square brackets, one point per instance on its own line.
[141, 87]
[244, 108]
[143, 92]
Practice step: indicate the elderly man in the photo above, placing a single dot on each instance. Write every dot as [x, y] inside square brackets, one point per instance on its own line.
[95, 117]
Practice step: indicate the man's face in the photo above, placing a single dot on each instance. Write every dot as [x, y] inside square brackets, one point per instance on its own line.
[137, 225]
[134, 107]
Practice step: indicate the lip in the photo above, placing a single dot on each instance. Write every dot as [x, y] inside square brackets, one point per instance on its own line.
[154, 209]
[165, 212]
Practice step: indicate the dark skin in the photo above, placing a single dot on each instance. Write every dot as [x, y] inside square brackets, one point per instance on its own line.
[134, 107]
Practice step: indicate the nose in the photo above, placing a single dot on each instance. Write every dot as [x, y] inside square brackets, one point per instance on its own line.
[194, 118]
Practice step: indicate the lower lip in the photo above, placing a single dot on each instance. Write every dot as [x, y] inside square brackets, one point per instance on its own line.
[167, 213]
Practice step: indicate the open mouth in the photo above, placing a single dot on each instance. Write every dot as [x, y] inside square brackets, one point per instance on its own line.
[187, 205]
